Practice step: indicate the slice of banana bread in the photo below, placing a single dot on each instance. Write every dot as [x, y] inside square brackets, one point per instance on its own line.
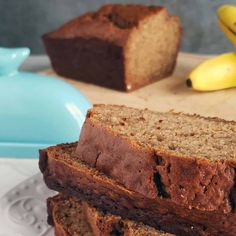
[105, 224]
[67, 217]
[119, 46]
[73, 218]
[187, 159]
[65, 173]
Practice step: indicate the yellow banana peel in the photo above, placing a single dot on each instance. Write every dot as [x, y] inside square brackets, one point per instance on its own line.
[219, 72]
[214, 74]
[227, 21]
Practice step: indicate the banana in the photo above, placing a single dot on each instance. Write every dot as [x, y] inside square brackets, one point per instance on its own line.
[219, 72]
[227, 21]
[214, 74]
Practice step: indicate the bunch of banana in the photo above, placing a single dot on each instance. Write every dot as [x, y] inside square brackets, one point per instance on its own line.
[219, 72]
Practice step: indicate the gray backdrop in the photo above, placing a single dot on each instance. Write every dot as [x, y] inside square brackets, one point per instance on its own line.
[24, 21]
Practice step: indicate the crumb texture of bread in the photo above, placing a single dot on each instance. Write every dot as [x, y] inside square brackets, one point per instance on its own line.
[175, 133]
[187, 159]
[120, 46]
[65, 174]
[68, 217]
[151, 58]
[132, 228]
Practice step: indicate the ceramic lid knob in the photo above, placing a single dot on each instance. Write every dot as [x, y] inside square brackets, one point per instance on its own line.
[11, 59]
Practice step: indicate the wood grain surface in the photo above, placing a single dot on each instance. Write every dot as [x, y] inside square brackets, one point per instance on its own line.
[168, 94]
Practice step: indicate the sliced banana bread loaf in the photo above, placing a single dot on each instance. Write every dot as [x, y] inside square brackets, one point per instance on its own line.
[119, 46]
[187, 159]
[73, 218]
[65, 173]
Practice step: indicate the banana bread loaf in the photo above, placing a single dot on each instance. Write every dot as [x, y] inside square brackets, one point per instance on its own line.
[65, 173]
[74, 218]
[119, 46]
[187, 159]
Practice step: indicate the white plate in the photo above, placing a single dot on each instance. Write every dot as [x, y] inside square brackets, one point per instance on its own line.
[23, 209]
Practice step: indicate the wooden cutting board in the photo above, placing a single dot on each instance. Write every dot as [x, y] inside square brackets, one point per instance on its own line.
[167, 94]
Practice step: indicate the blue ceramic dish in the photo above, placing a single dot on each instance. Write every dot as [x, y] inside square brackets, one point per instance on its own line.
[36, 111]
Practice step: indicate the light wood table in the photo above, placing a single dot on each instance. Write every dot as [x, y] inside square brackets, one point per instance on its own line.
[167, 94]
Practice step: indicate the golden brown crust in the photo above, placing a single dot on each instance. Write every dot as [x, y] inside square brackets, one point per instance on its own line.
[112, 23]
[102, 225]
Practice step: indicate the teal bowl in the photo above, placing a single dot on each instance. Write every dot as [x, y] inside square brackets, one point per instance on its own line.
[36, 111]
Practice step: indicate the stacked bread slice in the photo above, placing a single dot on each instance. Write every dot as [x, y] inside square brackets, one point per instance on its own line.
[171, 171]
[71, 217]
